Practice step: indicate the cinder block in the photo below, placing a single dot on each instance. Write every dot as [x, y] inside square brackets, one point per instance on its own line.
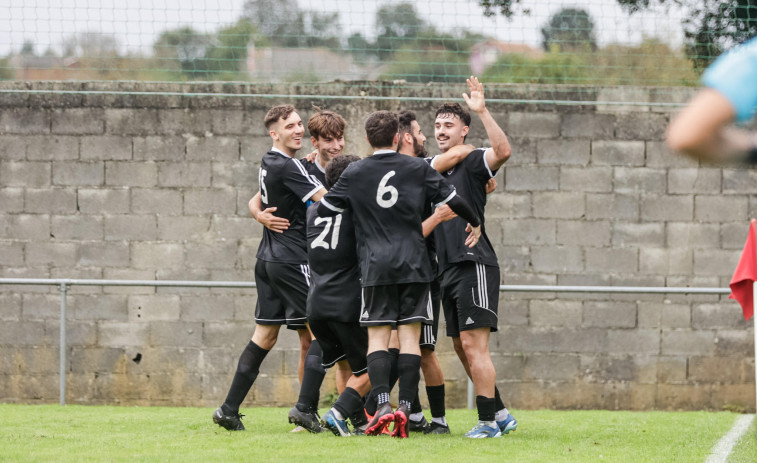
[103, 254]
[127, 121]
[26, 174]
[234, 174]
[641, 126]
[524, 150]
[667, 208]
[639, 180]
[218, 254]
[528, 178]
[617, 153]
[714, 261]
[49, 148]
[99, 307]
[688, 342]
[13, 148]
[210, 200]
[729, 370]
[76, 227]
[586, 179]
[253, 148]
[97, 360]
[234, 335]
[27, 227]
[226, 122]
[660, 156]
[130, 227]
[691, 180]
[603, 367]
[157, 255]
[158, 148]
[512, 312]
[10, 306]
[671, 369]
[143, 308]
[103, 200]
[51, 253]
[589, 125]
[174, 333]
[78, 333]
[213, 148]
[78, 121]
[184, 121]
[500, 205]
[612, 260]
[551, 367]
[529, 231]
[638, 234]
[511, 258]
[720, 208]
[734, 342]
[612, 206]
[641, 341]
[692, 235]
[583, 233]
[555, 313]
[177, 228]
[733, 235]
[207, 308]
[11, 199]
[663, 261]
[12, 253]
[50, 200]
[125, 173]
[534, 124]
[78, 173]
[561, 205]
[166, 201]
[712, 316]
[739, 181]
[180, 174]
[606, 314]
[236, 228]
[556, 259]
[21, 333]
[564, 152]
[106, 148]
[24, 120]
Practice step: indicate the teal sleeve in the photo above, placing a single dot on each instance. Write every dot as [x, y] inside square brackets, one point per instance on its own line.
[734, 75]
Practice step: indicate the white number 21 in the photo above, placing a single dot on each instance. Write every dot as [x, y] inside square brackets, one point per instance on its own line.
[320, 241]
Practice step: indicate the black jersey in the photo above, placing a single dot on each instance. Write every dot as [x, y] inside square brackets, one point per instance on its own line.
[387, 193]
[430, 241]
[469, 178]
[285, 184]
[334, 273]
[315, 169]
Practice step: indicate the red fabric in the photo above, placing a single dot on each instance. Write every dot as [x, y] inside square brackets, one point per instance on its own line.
[746, 274]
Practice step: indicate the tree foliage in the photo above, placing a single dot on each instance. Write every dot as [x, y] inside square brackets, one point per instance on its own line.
[570, 29]
[286, 25]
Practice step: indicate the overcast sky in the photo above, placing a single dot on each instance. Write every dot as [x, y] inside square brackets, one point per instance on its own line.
[137, 23]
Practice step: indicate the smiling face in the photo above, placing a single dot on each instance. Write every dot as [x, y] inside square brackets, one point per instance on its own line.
[449, 131]
[328, 147]
[287, 133]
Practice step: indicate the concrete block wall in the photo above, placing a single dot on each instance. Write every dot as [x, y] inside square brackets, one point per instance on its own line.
[139, 186]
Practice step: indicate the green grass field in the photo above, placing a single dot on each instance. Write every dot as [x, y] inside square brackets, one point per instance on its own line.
[97, 433]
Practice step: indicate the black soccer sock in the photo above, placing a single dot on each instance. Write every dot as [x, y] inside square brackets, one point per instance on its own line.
[370, 403]
[436, 400]
[394, 371]
[485, 406]
[348, 403]
[311, 379]
[416, 407]
[358, 418]
[498, 404]
[409, 366]
[247, 370]
[379, 365]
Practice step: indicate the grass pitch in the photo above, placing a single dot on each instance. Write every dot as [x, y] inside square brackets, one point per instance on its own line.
[97, 433]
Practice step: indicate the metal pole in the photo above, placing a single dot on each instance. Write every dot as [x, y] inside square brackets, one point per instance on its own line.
[63, 291]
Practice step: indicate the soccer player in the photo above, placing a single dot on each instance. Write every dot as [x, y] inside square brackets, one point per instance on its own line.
[702, 129]
[387, 193]
[281, 271]
[470, 276]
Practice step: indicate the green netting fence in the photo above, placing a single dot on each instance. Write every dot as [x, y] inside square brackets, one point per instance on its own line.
[665, 43]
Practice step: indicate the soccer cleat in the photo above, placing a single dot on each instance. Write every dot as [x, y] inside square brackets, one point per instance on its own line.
[308, 420]
[482, 431]
[400, 421]
[417, 426]
[436, 428]
[337, 426]
[359, 430]
[230, 422]
[508, 424]
[383, 417]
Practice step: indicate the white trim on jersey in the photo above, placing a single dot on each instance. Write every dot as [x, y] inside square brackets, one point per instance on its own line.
[331, 206]
[447, 199]
[310, 179]
[488, 169]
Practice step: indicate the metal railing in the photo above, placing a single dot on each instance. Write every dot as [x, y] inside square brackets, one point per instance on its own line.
[64, 283]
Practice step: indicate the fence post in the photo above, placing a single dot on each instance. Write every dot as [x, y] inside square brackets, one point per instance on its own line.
[63, 291]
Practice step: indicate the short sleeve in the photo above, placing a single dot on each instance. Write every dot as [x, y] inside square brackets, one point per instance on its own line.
[299, 181]
[734, 75]
[476, 164]
[337, 198]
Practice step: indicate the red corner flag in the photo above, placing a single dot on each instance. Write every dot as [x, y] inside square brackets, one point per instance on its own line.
[746, 274]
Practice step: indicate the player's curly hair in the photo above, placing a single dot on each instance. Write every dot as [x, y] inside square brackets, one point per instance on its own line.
[277, 112]
[454, 109]
[336, 166]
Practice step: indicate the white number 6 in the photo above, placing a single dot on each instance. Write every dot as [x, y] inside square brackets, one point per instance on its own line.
[384, 189]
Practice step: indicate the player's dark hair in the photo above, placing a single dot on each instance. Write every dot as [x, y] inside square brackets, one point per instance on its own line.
[325, 123]
[380, 128]
[405, 119]
[336, 166]
[277, 112]
[454, 109]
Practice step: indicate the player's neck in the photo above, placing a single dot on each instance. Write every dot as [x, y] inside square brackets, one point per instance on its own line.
[285, 149]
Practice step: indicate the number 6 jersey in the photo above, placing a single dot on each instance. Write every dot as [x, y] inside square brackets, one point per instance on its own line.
[387, 193]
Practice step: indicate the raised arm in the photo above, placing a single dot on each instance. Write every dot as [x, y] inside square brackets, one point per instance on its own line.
[500, 151]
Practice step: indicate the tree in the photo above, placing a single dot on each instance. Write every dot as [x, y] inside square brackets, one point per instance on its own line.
[570, 29]
[184, 46]
[285, 25]
[91, 44]
[506, 7]
[396, 26]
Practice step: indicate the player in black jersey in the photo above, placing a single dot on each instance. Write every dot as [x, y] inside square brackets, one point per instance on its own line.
[470, 276]
[387, 193]
[281, 271]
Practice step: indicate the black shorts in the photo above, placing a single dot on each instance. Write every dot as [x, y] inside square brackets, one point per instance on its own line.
[282, 294]
[400, 304]
[429, 332]
[340, 341]
[470, 296]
